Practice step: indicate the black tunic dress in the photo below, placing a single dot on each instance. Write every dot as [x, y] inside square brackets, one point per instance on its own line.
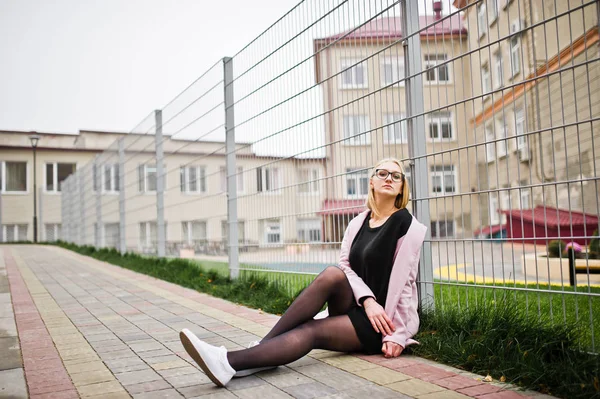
[372, 259]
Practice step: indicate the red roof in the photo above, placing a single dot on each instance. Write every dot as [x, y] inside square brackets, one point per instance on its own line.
[342, 207]
[552, 217]
[489, 229]
[389, 27]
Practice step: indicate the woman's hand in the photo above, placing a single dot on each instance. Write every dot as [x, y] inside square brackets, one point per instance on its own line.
[378, 318]
[391, 349]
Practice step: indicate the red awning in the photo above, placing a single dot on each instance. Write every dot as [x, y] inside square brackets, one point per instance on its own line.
[487, 230]
[342, 207]
[552, 217]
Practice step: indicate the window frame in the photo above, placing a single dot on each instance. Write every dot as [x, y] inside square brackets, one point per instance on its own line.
[435, 228]
[301, 224]
[356, 174]
[189, 240]
[269, 223]
[391, 120]
[311, 181]
[482, 18]
[498, 75]
[435, 67]
[184, 172]
[502, 137]
[17, 226]
[349, 136]
[4, 178]
[346, 63]
[433, 173]
[56, 183]
[490, 146]
[145, 180]
[514, 45]
[486, 80]
[262, 183]
[429, 119]
[398, 71]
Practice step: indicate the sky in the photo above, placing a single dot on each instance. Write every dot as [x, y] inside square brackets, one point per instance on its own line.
[71, 65]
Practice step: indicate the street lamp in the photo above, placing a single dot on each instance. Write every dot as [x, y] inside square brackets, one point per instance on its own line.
[34, 138]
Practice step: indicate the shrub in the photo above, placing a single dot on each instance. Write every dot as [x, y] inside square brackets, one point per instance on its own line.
[556, 248]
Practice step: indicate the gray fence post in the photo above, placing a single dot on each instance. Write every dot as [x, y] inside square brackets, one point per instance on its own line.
[64, 214]
[417, 145]
[41, 231]
[232, 219]
[97, 182]
[122, 242]
[81, 191]
[160, 179]
[1, 227]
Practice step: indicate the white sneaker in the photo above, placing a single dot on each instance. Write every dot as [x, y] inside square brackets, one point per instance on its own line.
[247, 372]
[211, 359]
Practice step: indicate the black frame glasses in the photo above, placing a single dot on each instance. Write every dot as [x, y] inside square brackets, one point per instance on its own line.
[389, 173]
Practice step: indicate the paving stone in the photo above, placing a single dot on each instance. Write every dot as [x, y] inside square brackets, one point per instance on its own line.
[200, 390]
[443, 395]
[374, 391]
[8, 327]
[167, 393]
[245, 382]
[136, 377]
[91, 377]
[261, 392]
[288, 379]
[11, 353]
[415, 387]
[12, 384]
[382, 375]
[149, 386]
[101, 388]
[187, 380]
[310, 390]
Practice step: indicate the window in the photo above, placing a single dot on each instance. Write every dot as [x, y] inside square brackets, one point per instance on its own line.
[392, 71]
[241, 231]
[149, 234]
[13, 177]
[147, 178]
[520, 130]
[354, 76]
[481, 19]
[515, 48]
[268, 179]
[501, 130]
[223, 179]
[110, 178]
[490, 148]
[356, 130]
[443, 179]
[442, 228]
[495, 10]
[494, 215]
[440, 126]
[435, 73]
[309, 230]
[357, 183]
[486, 79]
[525, 197]
[56, 173]
[15, 232]
[193, 232]
[52, 232]
[395, 131]
[192, 179]
[309, 179]
[272, 231]
[498, 70]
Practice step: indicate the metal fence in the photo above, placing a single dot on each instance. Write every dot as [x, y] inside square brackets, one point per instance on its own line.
[258, 166]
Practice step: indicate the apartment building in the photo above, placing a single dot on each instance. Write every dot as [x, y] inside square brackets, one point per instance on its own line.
[195, 205]
[535, 82]
[362, 75]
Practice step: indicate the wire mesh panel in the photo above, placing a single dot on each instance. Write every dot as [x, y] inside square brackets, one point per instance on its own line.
[258, 166]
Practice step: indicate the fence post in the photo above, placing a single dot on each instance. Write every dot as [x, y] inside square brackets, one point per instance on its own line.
[417, 145]
[97, 182]
[1, 227]
[572, 271]
[160, 205]
[41, 237]
[64, 214]
[69, 214]
[122, 242]
[81, 191]
[232, 220]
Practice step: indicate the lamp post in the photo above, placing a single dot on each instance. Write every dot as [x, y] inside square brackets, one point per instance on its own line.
[34, 142]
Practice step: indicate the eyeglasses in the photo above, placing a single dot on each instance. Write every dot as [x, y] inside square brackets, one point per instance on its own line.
[397, 177]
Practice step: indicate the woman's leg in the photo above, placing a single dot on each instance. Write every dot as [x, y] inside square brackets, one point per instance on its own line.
[333, 333]
[330, 286]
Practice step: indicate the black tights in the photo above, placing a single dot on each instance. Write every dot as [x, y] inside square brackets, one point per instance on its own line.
[296, 333]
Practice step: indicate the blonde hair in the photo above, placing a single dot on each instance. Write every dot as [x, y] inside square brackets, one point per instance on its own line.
[401, 199]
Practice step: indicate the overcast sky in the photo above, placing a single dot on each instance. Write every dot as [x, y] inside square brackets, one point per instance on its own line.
[69, 65]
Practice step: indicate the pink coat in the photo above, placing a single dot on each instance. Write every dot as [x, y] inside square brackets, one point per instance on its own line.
[402, 299]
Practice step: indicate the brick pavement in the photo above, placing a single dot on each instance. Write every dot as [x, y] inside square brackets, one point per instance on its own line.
[87, 328]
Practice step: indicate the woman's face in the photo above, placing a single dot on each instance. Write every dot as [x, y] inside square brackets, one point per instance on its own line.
[388, 180]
